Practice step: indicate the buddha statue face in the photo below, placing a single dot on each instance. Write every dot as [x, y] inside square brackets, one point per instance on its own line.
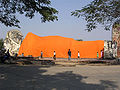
[13, 41]
[15, 35]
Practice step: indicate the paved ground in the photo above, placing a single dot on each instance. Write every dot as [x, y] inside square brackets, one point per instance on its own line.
[81, 77]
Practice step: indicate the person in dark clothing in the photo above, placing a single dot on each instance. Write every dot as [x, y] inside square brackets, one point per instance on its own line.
[69, 54]
[41, 54]
[6, 56]
[16, 55]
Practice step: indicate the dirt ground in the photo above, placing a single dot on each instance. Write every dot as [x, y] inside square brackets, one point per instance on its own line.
[79, 77]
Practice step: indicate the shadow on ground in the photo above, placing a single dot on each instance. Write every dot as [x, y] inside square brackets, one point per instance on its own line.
[32, 78]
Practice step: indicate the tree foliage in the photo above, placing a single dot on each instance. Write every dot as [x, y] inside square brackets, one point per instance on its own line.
[104, 12]
[9, 8]
[79, 39]
[1, 43]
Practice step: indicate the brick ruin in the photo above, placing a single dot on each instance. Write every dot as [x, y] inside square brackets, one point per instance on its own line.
[112, 48]
[116, 36]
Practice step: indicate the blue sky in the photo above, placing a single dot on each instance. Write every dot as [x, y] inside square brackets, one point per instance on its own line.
[66, 26]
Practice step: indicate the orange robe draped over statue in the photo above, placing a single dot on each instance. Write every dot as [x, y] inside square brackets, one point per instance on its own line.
[33, 45]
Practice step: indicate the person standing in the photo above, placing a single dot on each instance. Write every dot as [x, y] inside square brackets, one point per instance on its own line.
[8, 53]
[22, 54]
[69, 54]
[16, 55]
[7, 56]
[101, 54]
[54, 57]
[78, 55]
[41, 54]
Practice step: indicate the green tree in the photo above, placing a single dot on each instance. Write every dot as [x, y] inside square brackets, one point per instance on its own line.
[79, 40]
[1, 43]
[9, 8]
[104, 12]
